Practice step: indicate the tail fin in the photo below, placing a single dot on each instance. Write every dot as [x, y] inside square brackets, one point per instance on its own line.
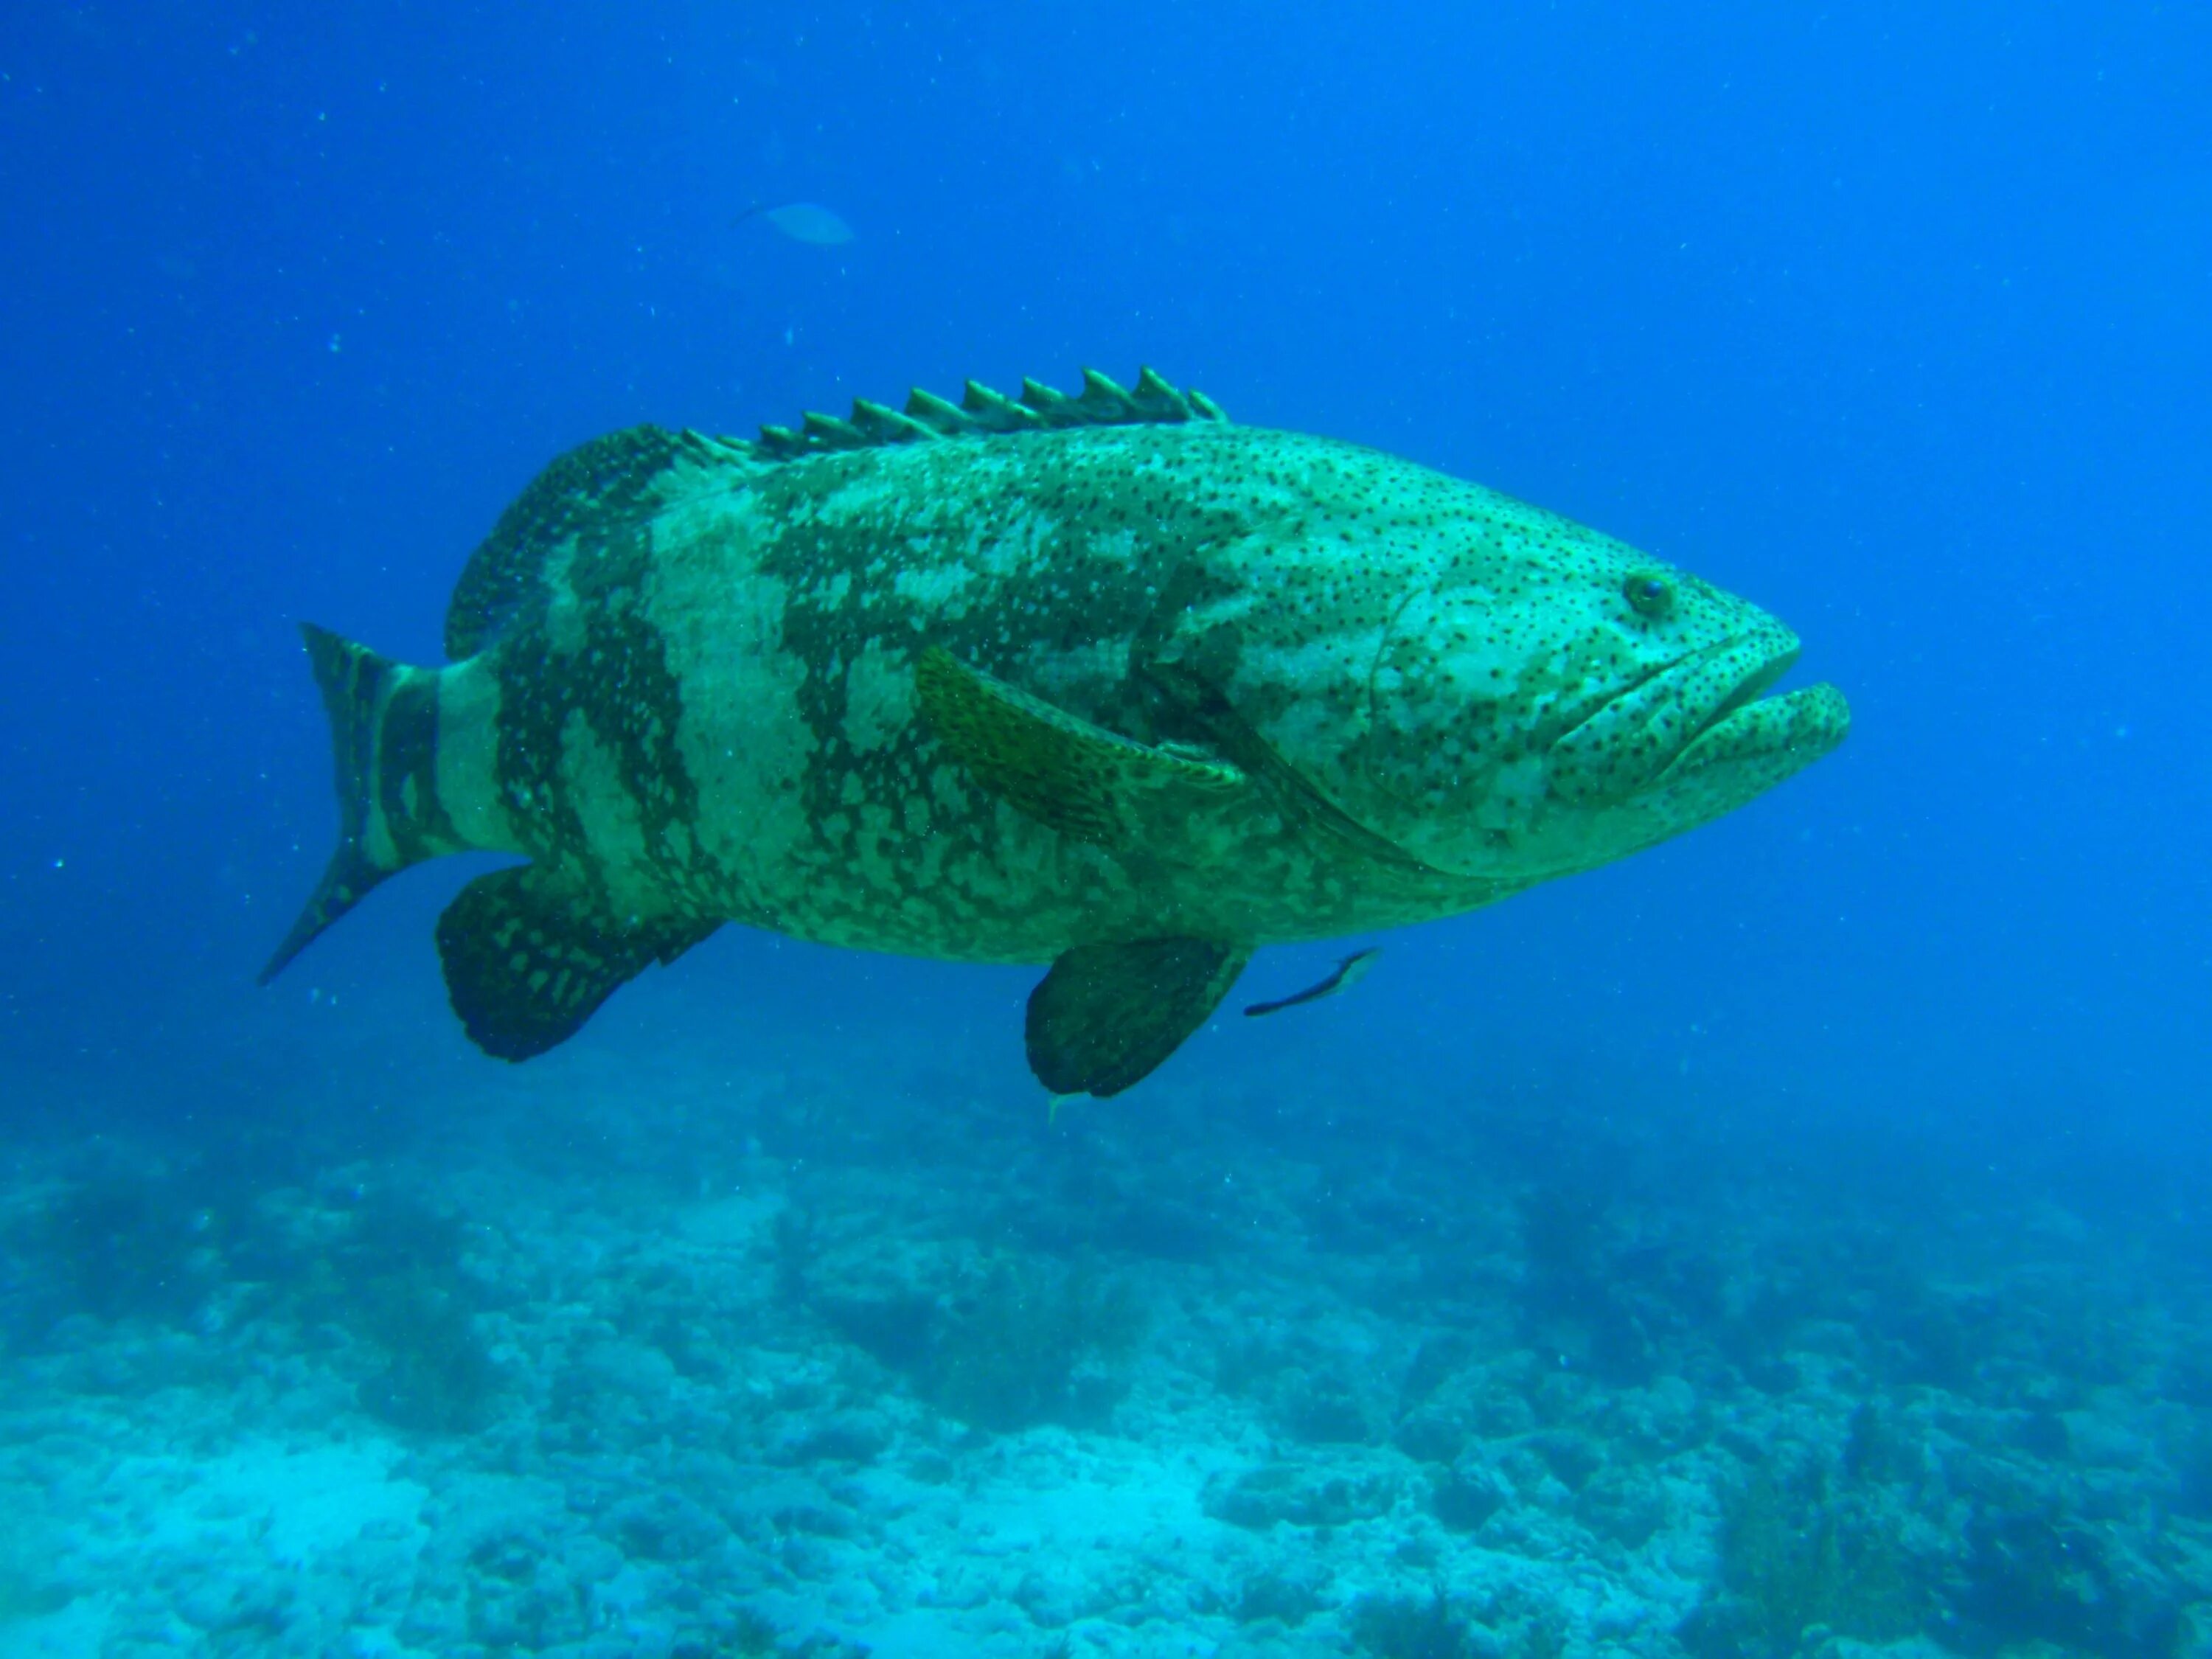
[358, 688]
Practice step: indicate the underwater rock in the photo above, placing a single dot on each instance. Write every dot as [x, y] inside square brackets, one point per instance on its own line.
[851, 1435]
[1288, 1596]
[2092, 1439]
[1624, 1504]
[1001, 1340]
[1572, 1456]
[1429, 1437]
[1327, 1409]
[1389, 1627]
[1466, 1496]
[2030, 1575]
[1331, 1494]
[1441, 1355]
[1665, 1417]
[664, 1526]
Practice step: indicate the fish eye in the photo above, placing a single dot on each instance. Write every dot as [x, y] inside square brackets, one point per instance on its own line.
[1650, 595]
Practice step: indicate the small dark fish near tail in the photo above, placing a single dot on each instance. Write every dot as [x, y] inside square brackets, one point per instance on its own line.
[1346, 974]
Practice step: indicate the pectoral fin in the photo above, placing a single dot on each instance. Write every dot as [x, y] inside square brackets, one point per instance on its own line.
[1107, 1014]
[1065, 772]
[1200, 703]
[526, 963]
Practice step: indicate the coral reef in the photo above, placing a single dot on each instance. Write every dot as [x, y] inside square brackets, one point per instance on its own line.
[1078, 1391]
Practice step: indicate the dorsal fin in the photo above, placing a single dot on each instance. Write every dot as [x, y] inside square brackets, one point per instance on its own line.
[982, 411]
[597, 488]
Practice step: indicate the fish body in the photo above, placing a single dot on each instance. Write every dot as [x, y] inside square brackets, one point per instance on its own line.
[1102, 681]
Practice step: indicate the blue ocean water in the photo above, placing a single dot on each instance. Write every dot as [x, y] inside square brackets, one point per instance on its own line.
[1791, 1239]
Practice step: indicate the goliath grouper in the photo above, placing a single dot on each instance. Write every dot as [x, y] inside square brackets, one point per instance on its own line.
[1102, 681]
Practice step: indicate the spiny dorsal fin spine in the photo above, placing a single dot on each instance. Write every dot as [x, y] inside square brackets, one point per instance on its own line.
[831, 433]
[995, 412]
[983, 412]
[708, 447]
[933, 411]
[1055, 409]
[1104, 398]
[882, 425]
[1156, 399]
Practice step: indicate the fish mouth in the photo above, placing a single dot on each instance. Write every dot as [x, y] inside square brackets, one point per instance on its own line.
[1762, 739]
[1710, 706]
[1746, 691]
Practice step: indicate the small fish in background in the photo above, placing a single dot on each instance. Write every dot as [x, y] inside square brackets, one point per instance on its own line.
[803, 222]
[1348, 973]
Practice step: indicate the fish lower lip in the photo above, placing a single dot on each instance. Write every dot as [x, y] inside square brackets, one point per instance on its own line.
[1805, 724]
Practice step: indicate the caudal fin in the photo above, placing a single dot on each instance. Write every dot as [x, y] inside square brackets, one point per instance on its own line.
[380, 739]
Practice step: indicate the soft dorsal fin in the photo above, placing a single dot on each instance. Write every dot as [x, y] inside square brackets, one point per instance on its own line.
[596, 490]
[1151, 401]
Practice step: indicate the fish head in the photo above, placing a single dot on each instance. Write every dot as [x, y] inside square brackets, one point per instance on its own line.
[1543, 699]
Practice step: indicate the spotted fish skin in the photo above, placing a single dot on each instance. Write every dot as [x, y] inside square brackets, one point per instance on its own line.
[718, 714]
[998, 686]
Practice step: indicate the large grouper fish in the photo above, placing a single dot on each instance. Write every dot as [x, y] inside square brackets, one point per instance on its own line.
[1103, 681]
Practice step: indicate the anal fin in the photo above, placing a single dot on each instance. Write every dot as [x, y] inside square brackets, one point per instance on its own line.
[1107, 1015]
[526, 963]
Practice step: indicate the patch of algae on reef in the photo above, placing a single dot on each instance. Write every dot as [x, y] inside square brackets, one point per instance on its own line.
[1793, 1558]
[213, 1244]
[1002, 1340]
[393, 1276]
[1018, 1351]
[26, 1591]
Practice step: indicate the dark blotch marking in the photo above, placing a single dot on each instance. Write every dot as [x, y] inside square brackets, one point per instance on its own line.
[1077, 588]
[618, 679]
[407, 752]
